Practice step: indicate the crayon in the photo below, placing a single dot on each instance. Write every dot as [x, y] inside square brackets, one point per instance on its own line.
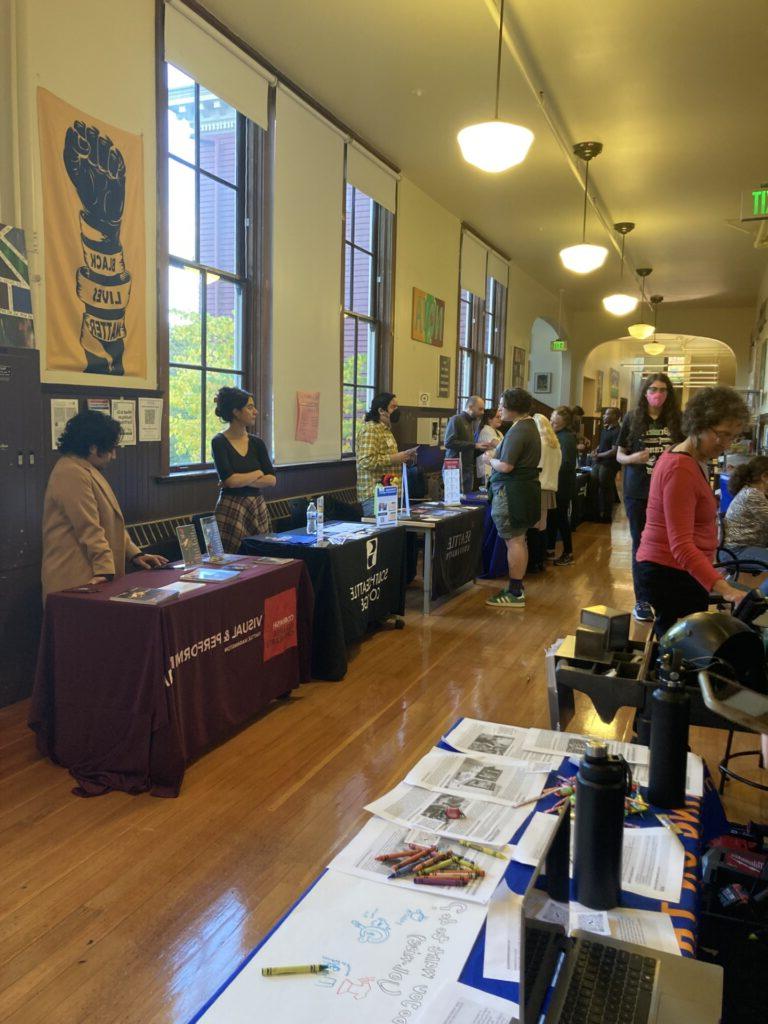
[269, 972]
[435, 858]
[417, 846]
[483, 849]
[430, 880]
[394, 856]
[407, 868]
[453, 874]
[446, 863]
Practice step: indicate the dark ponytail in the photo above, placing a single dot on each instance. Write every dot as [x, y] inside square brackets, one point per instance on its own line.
[748, 473]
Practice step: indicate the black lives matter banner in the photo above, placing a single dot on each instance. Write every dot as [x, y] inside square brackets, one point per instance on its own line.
[456, 551]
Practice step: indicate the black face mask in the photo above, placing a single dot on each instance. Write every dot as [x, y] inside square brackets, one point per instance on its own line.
[394, 416]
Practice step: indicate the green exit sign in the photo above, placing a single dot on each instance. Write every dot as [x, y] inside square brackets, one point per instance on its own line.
[559, 345]
[754, 203]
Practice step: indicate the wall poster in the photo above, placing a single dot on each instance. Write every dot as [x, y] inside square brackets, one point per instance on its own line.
[17, 328]
[95, 273]
[427, 318]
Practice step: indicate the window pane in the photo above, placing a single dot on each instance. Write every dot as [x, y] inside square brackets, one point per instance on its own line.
[348, 424]
[218, 136]
[214, 381]
[363, 404]
[181, 210]
[218, 235]
[184, 416]
[181, 114]
[362, 280]
[490, 327]
[465, 374]
[223, 325]
[348, 209]
[463, 325]
[366, 354]
[348, 358]
[490, 381]
[363, 226]
[349, 259]
[184, 340]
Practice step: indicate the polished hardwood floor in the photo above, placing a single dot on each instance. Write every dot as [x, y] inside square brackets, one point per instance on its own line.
[132, 910]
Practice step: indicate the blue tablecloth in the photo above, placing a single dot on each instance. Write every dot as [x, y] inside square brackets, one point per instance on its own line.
[494, 548]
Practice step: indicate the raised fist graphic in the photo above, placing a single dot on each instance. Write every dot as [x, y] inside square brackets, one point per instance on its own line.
[97, 170]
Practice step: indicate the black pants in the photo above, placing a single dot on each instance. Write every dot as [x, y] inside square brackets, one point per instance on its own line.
[636, 508]
[559, 521]
[672, 592]
[606, 487]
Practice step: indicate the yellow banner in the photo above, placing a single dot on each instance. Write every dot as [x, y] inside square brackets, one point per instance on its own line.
[95, 272]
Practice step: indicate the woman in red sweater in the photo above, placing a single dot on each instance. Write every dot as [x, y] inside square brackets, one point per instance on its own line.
[679, 541]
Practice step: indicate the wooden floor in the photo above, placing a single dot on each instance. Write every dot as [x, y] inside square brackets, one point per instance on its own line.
[135, 909]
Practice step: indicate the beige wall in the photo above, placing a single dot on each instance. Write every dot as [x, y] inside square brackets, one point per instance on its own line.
[761, 339]
[526, 301]
[101, 59]
[427, 257]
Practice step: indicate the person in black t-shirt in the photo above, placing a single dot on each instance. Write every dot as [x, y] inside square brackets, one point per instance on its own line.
[646, 432]
[244, 469]
[605, 466]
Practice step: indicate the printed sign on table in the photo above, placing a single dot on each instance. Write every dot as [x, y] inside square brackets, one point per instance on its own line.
[279, 623]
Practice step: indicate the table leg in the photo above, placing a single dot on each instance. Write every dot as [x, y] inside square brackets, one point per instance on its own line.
[427, 572]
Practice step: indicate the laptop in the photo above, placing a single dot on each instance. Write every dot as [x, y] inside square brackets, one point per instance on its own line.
[594, 979]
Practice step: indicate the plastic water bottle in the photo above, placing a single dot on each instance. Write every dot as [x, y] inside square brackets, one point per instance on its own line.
[312, 518]
[602, 783]
[670, 715]
[320, 527]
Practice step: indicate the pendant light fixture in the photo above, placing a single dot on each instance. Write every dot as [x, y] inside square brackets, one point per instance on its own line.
[642, 331]
[655, 348]
[620, 303]
[584, 258]
[496, 145]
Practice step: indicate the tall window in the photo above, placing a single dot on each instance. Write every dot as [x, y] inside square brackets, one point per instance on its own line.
[470, 346]
[206, 228]
[361, 329]
[493, 343]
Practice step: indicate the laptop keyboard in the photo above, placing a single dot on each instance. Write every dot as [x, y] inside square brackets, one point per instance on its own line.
[608, 986]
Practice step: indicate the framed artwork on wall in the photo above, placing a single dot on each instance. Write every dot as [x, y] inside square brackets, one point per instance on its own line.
[542, 383]
[427, 318]
[518, 367]
[614, 378]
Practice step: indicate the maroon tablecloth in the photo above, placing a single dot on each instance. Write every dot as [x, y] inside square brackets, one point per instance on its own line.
[127, 695]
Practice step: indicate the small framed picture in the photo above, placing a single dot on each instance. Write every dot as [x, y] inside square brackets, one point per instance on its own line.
[542, 383]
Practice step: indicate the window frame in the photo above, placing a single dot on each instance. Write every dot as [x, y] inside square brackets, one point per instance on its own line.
[495, 352]
[474, 350]
[248, 185]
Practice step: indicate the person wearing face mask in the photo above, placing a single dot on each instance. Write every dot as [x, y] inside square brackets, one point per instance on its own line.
[460, 440]
[677, 549]
[646, 432]
[84, 535]
[376, 449]
[244, 467]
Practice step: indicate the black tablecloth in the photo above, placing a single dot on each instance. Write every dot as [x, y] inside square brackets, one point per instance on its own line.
[356, 583]
[457, 551]
[126, 695]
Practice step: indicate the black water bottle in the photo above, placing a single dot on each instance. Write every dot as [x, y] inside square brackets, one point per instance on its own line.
[670, 715]
[602, 783]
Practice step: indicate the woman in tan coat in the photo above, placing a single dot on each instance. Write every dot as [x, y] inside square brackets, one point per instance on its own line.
[84, 535]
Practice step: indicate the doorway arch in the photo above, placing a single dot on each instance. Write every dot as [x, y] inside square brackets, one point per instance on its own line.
[555, 365]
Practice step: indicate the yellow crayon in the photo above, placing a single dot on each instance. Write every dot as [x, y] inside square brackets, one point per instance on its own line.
[269, 972]
[483, 849]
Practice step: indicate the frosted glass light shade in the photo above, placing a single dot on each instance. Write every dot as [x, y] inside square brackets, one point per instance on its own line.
[654, 348]
[583, 259]
[494, 146]
[620, 304]
[641, 331]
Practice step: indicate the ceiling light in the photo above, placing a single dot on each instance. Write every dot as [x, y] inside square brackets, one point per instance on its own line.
[496, 145]
[654, 348]
[620, 303]
[642, 331]
[583, 258]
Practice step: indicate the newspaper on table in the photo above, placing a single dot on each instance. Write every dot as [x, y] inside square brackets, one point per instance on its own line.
[644, 927]
[694, 775]
[503, 927]
[380, 837]
[477, 776]
[536, 838]
[483, 822]
[499, 743]
[569, 744]
[652, 863]
[456, 1003]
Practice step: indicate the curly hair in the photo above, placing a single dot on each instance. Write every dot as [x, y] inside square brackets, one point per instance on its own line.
[517, 400]
[711, 406]
[669, 415]
[748, 473]
[565, 412]
[89, 429]
[230, 400]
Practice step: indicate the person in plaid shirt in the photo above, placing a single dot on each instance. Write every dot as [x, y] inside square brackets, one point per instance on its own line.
[376, 449]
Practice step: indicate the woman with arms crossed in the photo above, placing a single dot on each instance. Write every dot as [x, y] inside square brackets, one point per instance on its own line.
[244, 469]
[84, 535]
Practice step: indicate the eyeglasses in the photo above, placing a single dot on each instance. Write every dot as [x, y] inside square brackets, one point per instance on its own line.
[724, 437]
[652, 390]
